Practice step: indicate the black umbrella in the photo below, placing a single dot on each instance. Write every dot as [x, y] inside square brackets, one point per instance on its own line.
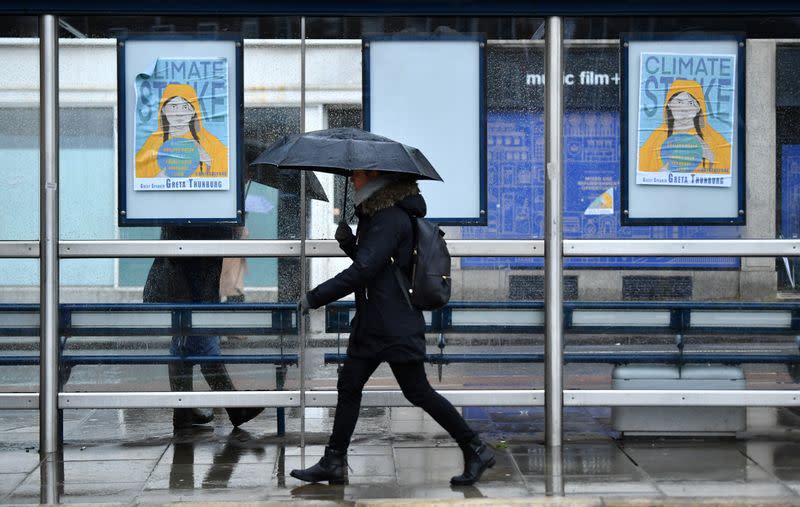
[344, 150]
[287, 181]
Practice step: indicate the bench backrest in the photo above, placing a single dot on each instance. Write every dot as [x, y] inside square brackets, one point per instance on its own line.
[601, 317]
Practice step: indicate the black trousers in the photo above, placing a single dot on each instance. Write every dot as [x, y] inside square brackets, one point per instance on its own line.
[416, 388]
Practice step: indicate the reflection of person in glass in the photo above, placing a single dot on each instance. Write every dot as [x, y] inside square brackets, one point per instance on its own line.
[193, 280]
[180, 147]
[685, 141]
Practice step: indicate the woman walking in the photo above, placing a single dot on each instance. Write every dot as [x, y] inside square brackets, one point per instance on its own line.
[385, 326]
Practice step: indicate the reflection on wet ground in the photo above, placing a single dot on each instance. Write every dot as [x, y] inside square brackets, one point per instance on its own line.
[131, 456]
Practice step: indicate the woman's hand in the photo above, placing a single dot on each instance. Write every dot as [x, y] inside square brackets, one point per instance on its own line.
[344, 234]
[346, 239]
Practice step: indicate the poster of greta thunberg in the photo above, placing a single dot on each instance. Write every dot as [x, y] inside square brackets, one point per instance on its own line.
[182, 125]
[682, 124]
[686, 119]
[180, 107]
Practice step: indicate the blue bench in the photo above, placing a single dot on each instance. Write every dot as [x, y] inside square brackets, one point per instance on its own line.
[136, 320]
[677, 319]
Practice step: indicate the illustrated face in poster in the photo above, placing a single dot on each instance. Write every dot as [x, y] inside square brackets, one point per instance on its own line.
[686, 112]
[182, 126]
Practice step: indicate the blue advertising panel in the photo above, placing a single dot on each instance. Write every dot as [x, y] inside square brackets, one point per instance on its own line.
[790, 191]
[515, 153]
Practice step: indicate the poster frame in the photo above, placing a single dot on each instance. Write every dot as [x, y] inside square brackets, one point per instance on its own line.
[481, 217]
[677, 43]
[235, 193]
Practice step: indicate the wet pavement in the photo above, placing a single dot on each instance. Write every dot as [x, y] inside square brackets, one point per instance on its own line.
[399, 457]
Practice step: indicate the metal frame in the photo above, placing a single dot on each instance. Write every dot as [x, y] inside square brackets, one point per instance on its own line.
[739, 128]
[49, 350]
[49, 250]
[483, 168]
[379, 398]
[126, 173]
[553, 233]
[458, 248]
[19, 401]
[480, 398]
[394, 8]
[303, 319]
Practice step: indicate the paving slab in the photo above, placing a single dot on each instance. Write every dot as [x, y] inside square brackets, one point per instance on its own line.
[132, 458]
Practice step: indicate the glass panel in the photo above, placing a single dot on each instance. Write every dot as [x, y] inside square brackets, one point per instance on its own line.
[19, 327]
[123, 348]
[661, 322]
[128, 349]
[19, 150]
[19, 195]
[475, 279]
[262, 126]
[340, 116]
[787, 153]
[19, 142]
[272, 213]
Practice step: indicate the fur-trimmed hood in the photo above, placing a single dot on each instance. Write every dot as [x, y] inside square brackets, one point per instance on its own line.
[404, 193]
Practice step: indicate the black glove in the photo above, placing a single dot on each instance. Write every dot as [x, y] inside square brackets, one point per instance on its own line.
[303, 305]
[343, 233]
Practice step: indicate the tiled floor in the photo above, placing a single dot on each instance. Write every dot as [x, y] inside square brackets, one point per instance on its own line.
[133, 457]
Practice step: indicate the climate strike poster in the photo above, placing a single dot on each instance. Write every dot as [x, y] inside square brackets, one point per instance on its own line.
[181, 124]
[685, 119]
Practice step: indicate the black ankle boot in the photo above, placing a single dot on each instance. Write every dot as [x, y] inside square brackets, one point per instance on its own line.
[219, 380]
[180, 379]
[332, 468]
[239, 416]
[187, 417]
[477, 458]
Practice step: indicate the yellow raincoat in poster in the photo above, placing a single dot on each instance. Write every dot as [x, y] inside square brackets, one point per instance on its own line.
[180, 147]
[685, 142]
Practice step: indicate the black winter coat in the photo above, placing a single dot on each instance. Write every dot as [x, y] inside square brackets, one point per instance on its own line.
[385, 327]
[186, 279]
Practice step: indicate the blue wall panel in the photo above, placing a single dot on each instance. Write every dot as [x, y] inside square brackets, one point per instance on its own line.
[515, 155]
[790, 191]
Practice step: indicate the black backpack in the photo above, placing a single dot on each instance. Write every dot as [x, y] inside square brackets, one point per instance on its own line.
[430, 267]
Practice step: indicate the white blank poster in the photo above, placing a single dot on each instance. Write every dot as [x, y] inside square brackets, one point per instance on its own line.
[428, 94]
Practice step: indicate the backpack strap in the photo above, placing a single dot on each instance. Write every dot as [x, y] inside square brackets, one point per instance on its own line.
[414, 233]
[403, 287]
[401, 278]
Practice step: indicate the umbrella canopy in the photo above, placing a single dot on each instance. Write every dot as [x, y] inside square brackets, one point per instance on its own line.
[344, 150]
[287, 181]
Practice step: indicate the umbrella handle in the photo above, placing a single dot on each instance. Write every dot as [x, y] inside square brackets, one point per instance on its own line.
[344, 201]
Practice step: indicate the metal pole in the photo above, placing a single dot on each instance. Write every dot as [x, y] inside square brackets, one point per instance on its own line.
[301, 320]
[51, 480]
[554, 471]
[49, 437]
[553, 259]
